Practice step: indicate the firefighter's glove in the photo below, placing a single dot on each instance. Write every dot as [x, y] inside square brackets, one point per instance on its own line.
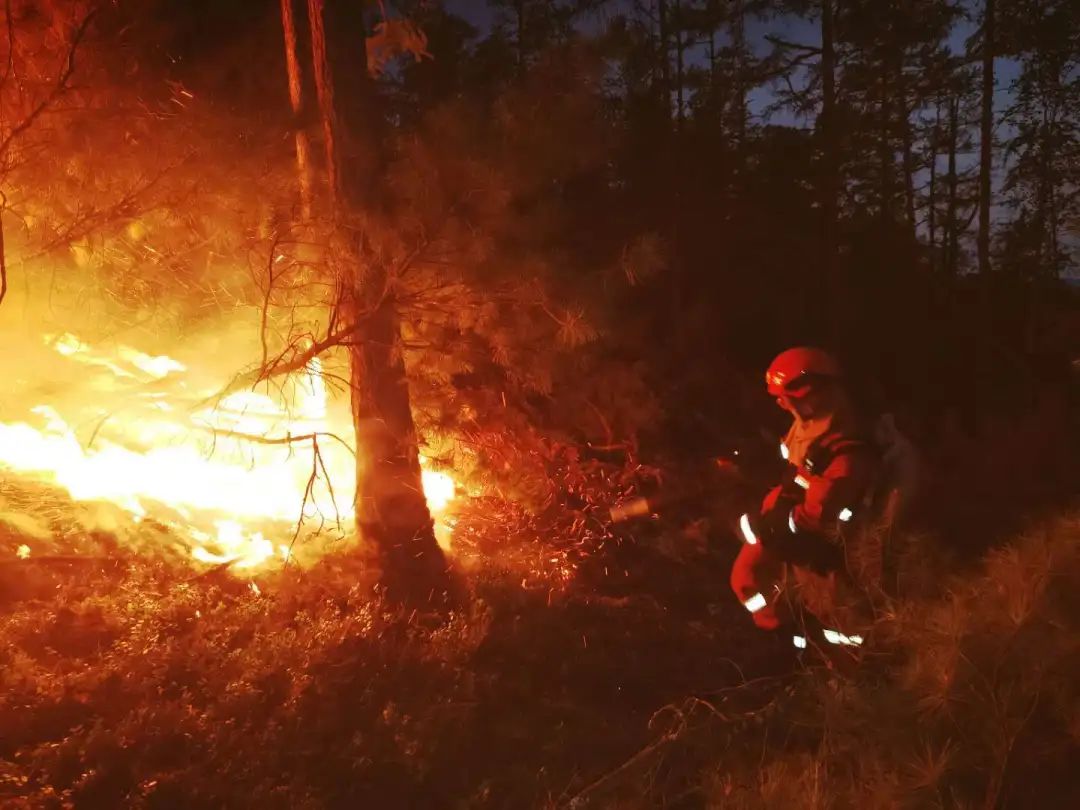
[778, 534]
[793, 486]
[765, 529]
[774, 522]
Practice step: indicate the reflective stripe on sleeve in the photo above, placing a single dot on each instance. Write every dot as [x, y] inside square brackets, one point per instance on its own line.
[747, 532]
[755, 603]
[836, 637]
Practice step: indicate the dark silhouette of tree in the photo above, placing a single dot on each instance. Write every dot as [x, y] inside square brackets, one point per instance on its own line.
[988, 46]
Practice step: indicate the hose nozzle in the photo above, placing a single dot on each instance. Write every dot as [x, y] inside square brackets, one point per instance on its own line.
[638, 507]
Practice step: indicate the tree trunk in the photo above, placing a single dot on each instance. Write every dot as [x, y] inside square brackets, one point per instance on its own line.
[519, 8]
[909, 166]
[951, 236]
[296, 99]
[829, 169]
[1046, 169]
[885, 149]
[738, 43]
[986, 141]
[931, 193]
[1041, 207]
[324, 88]
[679, 72]
[391, 513]
[665, 64]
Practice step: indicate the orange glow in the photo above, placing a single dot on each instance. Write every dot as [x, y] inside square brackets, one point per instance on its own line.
[203, 471]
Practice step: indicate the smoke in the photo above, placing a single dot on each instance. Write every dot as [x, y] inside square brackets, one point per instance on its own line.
[66, 347]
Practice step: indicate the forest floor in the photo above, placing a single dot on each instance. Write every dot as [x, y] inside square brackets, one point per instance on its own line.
[628, 677]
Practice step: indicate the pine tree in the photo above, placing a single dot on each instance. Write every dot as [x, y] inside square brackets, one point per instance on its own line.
[988, 44]
[1043, 180]
[391, 513]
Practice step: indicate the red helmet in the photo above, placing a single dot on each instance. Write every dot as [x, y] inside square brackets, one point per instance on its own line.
[793, 372]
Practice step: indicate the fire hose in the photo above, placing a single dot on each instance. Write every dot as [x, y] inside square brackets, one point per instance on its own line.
[726, 478]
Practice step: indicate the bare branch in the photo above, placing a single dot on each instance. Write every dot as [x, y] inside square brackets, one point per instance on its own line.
[794, 46]
[282, 440]
[88, 221]
[59, 88]
[9, 68]
[266, 299]
[280, 366]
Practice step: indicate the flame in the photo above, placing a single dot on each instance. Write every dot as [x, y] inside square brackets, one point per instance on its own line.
[439, 489]
[155, 367]
[206, 474]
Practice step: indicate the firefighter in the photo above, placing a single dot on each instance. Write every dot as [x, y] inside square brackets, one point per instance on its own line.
[803, 564]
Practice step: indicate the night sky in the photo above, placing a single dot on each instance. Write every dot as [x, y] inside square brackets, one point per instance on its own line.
[205, 25]
[792, 28]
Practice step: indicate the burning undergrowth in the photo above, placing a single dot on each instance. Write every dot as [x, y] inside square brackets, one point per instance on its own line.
[147, 445]
[143, 441]
[551, 544]
[134, 675]
[129, 677]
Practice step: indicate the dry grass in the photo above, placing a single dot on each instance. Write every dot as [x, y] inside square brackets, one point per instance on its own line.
[635, 683]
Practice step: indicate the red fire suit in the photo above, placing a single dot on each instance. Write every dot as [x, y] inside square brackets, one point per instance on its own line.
[806, 541]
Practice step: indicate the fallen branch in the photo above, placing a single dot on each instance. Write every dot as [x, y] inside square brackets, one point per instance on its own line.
[582, 799]
[681, 729]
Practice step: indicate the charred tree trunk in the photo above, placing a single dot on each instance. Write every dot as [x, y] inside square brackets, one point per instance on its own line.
[296, 99]
[986, 140]
[391, 512]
